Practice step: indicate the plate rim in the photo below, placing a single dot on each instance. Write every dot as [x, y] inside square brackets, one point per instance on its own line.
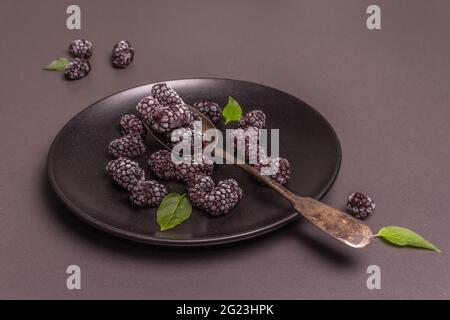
[199, 242]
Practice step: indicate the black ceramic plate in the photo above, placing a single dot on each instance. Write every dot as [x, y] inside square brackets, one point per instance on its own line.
[77, 160]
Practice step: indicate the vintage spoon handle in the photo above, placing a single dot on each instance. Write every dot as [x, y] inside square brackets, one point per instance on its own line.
[337, 224]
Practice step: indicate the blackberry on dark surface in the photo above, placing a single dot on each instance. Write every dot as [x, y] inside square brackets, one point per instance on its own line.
[132, 124]
[233, 186]
[223, 198]
[147, 193]
[210, 109]
[125, 172]
[249, 139]
[278, 169]
[130, 146]
[187, 169]
[360, 205]
[166, 118]
[123, 54]
[145, 107]
[255, 118]
[198, 189]
[81, 48]
[165, 94]
[188, 115]
[77, 68]
[161, 164]
[186, 136]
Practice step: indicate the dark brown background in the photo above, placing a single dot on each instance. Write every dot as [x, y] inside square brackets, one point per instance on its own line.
[385, 92]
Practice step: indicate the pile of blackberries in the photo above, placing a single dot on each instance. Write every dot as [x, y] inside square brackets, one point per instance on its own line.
[81, 51]
[165, 112]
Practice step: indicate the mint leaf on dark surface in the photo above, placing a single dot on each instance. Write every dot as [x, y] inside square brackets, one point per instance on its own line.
[232, 111]
[173, 210]
[404, 237]
[58, 64]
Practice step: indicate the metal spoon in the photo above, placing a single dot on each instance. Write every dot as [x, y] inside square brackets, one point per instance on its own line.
[336, 223]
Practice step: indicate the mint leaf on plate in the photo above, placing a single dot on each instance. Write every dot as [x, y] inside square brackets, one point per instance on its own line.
[173, 210]
[232, 111]
[405, 237]
[58, 64]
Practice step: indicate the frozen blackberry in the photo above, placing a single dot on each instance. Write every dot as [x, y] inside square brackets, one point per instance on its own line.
[190, 167]
[165, 94]
[283, 172]
[232, 185]
[161, 164]
[198, 189]
[166, 118]
[130, 145]
[80, 48]
[360, 205]
[255, 118]
[188, 115]
[147, 193]
[187, 136]
[223, 198]
[131, 124]
[125, 172]
[246, 138]
[145, 107]
[77, 68]
[210, 109]
[123, 54]
[278, 169]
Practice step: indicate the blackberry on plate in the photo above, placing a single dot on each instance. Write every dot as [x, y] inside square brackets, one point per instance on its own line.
[161, 164]
[198, 189]
[188, 169]
[80, 48]
[246, 138]
[278, 169]
[132, 124]
[255, 118]
[210, 109]
[125, 172]
[223, 198]
[360, 205]
[165, 94]
[130, 145]
[166, 118]
[77, 68]
[187, 136]
[148, 193]
[123, 54]
[188, 114]
[145, 107]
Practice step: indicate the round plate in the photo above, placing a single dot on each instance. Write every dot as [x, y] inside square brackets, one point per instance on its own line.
[77, 160]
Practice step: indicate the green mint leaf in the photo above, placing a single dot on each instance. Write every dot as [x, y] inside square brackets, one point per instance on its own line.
[58, 64]
[173, 210]
[405, 237]
[232, 111]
